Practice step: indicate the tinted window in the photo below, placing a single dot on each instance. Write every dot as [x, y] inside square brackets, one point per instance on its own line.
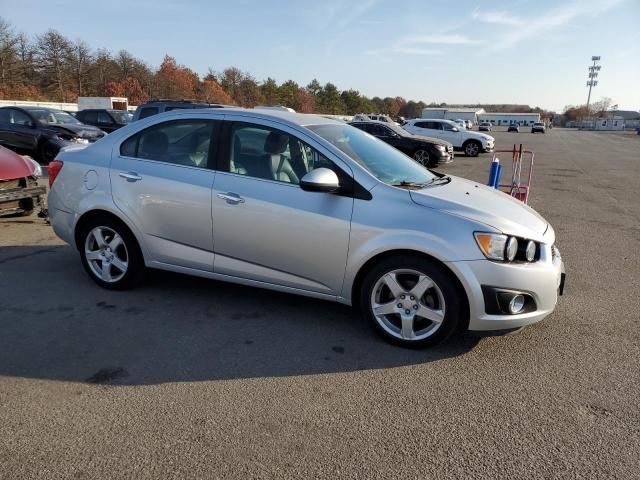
[104, 118]
[447, 127]
[19, 118]
[4, 115]
[271, 154]
[88, 117]
[181, 142]
[147, 112]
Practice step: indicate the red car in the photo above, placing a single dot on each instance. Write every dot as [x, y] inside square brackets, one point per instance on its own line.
[20, 193]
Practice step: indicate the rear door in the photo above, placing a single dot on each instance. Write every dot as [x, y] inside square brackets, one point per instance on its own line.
[266, 228]
[161, 179]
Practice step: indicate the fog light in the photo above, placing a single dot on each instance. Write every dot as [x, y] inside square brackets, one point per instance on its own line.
[516, 304]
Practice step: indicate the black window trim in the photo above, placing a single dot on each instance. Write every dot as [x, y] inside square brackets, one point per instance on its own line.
[211, 155]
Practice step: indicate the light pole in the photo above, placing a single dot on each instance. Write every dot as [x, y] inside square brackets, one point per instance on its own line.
[592, 82]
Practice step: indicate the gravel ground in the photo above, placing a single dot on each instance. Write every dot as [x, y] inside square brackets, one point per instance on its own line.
[189, 378]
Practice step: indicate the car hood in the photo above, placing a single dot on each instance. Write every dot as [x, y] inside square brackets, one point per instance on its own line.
[485, 205]
[80, 131]
[13, 166]
[477, 135]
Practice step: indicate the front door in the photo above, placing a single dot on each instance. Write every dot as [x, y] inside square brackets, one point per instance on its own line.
[161, 180]
[266, 228]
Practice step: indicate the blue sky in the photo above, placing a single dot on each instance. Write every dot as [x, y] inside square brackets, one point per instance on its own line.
[534, 52]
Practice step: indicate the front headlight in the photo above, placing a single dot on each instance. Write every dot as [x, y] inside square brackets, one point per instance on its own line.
[79, 140]
[37, 169]
[496, 246]
[493, 245]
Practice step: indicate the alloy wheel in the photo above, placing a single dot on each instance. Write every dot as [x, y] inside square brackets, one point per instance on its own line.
[422, 157]
[408, 304]
[472, 149]
[106, 254]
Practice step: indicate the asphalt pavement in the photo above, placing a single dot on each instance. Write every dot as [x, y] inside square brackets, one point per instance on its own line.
[191, 378]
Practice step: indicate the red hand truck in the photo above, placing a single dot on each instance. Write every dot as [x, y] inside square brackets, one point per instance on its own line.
[517, 188]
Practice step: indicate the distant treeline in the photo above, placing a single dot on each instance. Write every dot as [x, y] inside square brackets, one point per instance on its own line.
[51, 67]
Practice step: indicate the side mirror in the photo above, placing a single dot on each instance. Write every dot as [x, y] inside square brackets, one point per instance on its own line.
[320, 180]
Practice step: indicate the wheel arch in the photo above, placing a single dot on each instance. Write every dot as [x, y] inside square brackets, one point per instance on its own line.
[90, 215]
[373, 261]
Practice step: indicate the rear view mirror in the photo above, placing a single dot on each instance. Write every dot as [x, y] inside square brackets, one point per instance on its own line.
[320, 180]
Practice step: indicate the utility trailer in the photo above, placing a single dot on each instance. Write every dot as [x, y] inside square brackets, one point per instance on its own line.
[107, 103]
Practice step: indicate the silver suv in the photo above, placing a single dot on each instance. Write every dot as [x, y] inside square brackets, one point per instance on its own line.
[306, 205]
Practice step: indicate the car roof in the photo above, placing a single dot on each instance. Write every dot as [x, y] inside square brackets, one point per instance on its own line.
[297, 119]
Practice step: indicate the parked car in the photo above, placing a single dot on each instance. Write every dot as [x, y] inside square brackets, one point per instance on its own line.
[105, 119]
[20, 193]
[514, 127]
[484, 127]
[460, 123]
[430, 152]
[42, 132]
[471, 143]
[362, 117]
[153, 107]
[305, 205]
[538, 127]
[468, 124]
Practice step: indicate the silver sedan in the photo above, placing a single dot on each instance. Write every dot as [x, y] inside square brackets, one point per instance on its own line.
[306, 205]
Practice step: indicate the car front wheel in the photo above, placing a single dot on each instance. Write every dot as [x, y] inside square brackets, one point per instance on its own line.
[472, 149]
[411, 301]
[422, 157]
[110, 254]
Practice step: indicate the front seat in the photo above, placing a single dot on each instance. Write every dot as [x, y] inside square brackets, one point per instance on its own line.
[278, 165]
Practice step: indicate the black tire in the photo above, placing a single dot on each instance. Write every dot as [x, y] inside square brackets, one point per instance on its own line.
[451, 294]
[131, 251]
[472, 148]
[47, 152]
[422, 156]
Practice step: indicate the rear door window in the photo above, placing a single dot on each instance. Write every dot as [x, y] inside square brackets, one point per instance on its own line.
[180, 142]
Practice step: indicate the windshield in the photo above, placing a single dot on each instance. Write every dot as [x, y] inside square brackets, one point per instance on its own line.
[54, 117]
[120, 116]
[382, 160]
[398, 129]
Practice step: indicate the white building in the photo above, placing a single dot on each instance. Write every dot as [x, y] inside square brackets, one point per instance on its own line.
[509, 118]
[612, 123]
[455, 113]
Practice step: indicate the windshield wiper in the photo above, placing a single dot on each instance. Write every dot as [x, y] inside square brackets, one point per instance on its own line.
[439, 180]
[407, 183]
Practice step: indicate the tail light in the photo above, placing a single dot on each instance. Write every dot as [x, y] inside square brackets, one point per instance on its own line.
[54, 169]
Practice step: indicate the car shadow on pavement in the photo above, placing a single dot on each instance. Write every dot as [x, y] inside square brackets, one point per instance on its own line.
[56, 324]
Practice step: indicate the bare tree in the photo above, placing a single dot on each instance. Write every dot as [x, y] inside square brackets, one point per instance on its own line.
[8, 53]
[53, 52]
[80, 60]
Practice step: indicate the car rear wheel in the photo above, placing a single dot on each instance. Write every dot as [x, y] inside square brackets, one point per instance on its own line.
[422, 157]
[411, 301]
[472, 148]
[110, 254]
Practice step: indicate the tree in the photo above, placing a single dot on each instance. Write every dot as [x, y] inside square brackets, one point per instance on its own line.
[211, 92]
[175, 81]
[601, 107]
[288, 94]
[230, 80]
[248, 93]
[8, 53]
[269, 90]
[329, 100]
[80, 61]
[307, 101]
[53, 51]
[314, 88]
[353, 102]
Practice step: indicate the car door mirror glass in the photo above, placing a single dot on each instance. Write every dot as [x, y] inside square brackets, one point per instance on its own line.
[320, 180]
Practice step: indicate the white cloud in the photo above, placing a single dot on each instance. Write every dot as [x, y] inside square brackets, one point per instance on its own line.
[549, 21]
[438, 40]
[500, 18]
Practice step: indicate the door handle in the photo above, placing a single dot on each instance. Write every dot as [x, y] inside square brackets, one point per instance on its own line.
[231, 198]
[130, 176]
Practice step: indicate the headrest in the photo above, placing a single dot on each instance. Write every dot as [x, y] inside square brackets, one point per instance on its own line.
[276, 143]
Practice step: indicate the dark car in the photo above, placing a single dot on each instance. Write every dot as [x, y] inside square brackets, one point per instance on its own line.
[514, 127]
[20, 193]
[42, 132]
[153, 107]
[105, 119]
[427, 151]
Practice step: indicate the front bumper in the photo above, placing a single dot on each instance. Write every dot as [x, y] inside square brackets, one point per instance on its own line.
[488, 147]
[543, 280]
